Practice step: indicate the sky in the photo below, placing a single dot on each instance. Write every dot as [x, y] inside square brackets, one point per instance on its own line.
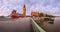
[45, 6]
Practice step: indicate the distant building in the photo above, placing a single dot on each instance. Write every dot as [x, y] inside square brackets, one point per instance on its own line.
[17, 15]
[35, 14]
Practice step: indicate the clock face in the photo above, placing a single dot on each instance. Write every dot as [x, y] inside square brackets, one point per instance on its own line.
[24, 9]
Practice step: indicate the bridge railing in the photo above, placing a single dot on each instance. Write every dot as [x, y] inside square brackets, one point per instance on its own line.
[36, 27]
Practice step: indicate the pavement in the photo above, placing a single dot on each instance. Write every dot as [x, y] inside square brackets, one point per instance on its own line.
[16, 25]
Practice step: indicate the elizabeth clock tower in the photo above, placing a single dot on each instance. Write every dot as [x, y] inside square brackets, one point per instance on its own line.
[24, 10]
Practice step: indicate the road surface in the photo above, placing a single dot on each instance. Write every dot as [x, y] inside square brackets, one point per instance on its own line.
[15, 25]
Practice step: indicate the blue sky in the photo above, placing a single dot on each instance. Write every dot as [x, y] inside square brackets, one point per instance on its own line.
[45, 6]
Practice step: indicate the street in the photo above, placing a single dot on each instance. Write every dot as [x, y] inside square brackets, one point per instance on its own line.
[16, 25]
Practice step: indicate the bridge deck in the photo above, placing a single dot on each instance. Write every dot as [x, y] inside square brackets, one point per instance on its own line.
[16, 25]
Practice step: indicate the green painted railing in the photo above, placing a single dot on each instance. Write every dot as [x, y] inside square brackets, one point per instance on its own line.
[36, 27]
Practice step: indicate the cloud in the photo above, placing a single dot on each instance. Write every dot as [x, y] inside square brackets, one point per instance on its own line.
[6, 6]
[46, 6]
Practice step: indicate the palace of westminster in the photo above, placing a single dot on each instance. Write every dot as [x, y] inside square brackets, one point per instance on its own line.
[17, 15]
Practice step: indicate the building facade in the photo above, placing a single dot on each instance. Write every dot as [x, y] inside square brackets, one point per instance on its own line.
[17, 15]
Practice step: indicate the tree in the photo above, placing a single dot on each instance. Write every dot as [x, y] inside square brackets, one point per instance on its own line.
[49, 15]
[41, 14]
